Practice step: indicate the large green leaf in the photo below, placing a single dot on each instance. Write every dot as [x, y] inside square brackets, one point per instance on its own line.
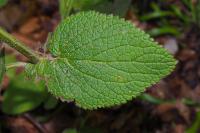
[101, 61]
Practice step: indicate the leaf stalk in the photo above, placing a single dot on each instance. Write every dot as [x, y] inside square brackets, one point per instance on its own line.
[19, 46]
[16, 64]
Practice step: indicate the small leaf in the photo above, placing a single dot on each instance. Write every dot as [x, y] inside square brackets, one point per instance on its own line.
[2, 63]
[23, 95]
[101, 61]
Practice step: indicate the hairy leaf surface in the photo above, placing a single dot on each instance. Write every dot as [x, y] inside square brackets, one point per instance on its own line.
[101, 61]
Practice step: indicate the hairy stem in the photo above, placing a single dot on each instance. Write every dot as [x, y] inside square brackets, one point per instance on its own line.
[20, 47]
[16, 64]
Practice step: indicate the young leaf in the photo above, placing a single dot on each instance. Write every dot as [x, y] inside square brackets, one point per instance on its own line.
[101, 61]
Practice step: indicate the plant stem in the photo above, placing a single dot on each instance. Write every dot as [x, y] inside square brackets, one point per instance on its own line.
[20, 47]
[65, 8]
[16, 64]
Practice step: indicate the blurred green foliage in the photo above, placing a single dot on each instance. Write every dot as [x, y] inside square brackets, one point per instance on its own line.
[23, 95]
[3, 2]
[197, 13]
[156, 13]
[2, 63]
[65, 7]
[8, 60]
[158, 31]
[171, 18]
[162, 10]
[195, 128]
[116, 7]
[82, 130]
[86, 4]
[50, 103]
[70, 131]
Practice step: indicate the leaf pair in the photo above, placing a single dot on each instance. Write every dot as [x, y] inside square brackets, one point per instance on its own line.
[101, 61]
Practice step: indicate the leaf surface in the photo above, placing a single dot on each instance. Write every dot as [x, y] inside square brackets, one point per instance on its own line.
[101, 61]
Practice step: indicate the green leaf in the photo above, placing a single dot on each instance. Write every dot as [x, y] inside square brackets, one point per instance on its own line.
[2, 63]
[101, 61]
[23, 95]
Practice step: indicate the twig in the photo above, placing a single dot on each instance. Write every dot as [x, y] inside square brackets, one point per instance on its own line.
[40, 128]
